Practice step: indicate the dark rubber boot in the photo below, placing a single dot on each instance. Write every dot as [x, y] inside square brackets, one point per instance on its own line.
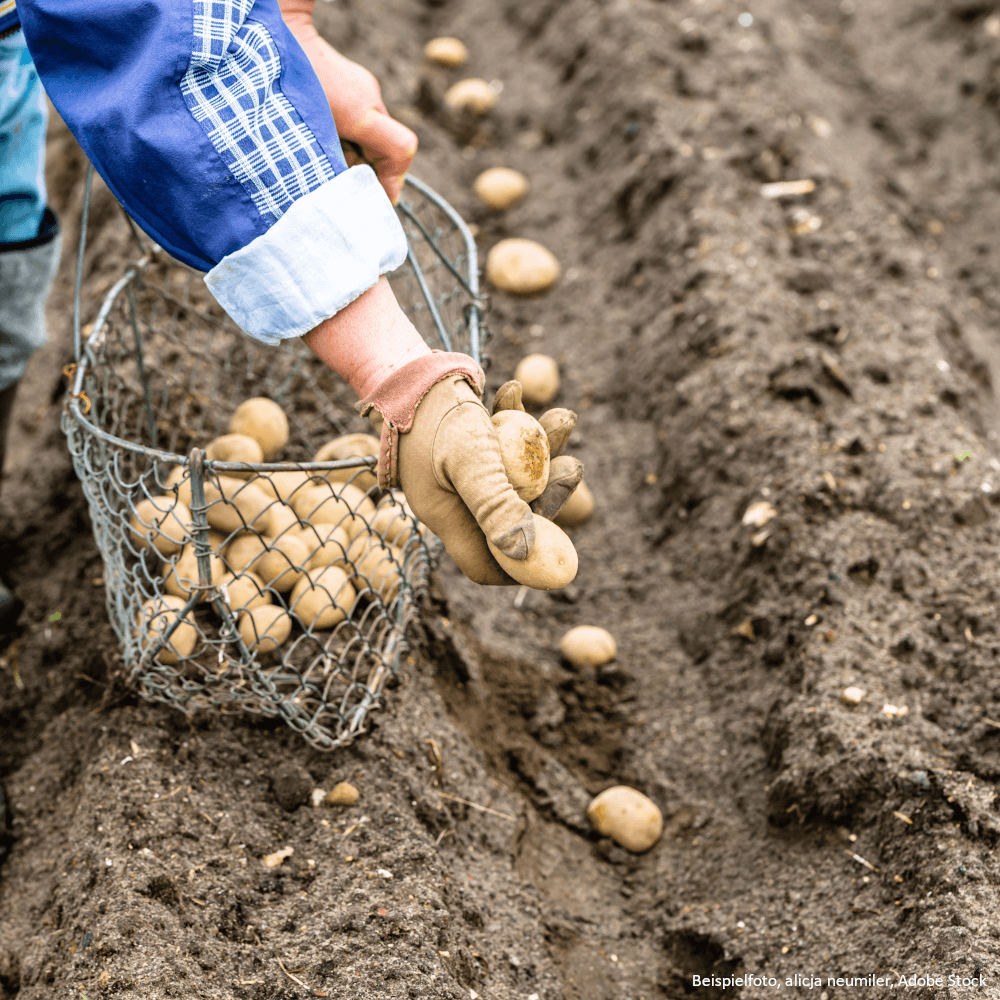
[10, 605]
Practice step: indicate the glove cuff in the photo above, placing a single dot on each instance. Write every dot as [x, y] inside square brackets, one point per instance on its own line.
[398, 397]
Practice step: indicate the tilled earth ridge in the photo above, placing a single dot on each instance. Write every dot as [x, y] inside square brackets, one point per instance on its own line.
[831, 355]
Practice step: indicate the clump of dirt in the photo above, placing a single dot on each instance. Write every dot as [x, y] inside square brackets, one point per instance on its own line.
[823, 360]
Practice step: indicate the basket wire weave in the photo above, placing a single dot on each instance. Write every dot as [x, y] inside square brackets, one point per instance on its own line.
[157, 378]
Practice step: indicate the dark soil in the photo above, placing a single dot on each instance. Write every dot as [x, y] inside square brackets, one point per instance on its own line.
[832, 354]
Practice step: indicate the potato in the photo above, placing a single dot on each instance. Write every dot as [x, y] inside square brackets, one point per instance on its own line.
[523, 267]
[158, 614]
[327, 545]
[280, 520]
[235, 505]
[162, 523]
[539, 378]
[627, 817]
[245, 591]
[174, 478]
[525, 451]
[350, 446]
[283, 486]
[235, 448]
[244, 550]
[265, 628]
[577, 509]
[473, 95]
[264, 421]
[334, 504]
[392, 520]
[500, 187]
[282, 564]
[376, 567]
[218, 540]
[551, 564]
[323, 599]
[449, 52]
[181, 572]
[588, 646]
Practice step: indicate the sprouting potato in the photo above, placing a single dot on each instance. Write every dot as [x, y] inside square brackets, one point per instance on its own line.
[539, 378]
[180, 574]
[265, 628]
[158, 614]
[521, 266]
[162, 523]
[578, 508]
[588, 646]
[500, 187]
[350, 446]
[245, 591]
[264, 421]
[525, 451]
[323, 599]
[473, 95]
[235, 448]
[449, 52]
[551, 564]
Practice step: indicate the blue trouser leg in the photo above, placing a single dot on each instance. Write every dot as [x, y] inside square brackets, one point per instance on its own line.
[29, 244]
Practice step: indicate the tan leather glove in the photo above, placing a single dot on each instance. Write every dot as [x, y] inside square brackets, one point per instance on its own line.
[438, 445]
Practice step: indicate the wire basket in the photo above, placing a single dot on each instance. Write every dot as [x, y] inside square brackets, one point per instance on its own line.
[284, 587]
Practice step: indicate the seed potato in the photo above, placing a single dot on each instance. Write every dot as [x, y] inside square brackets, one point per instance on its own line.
[244, 550]
[578, 508]
[282, 564]
[326, 544]
[448, 52]
[233, 503]
[392, 519]
[161, 523]
[588, 646]
[500, 187]
[158, 614]
[245, 591]
[350, 446]
[521, 266]
[539, 378]
[283, 486]
[376, 567]
[235, 448]
[265, 628]
[525, 452]
[323, 599]
[552, 563]
[181, 573]
[626, 816]
[280, 520]
[264, 421]
[473, 95]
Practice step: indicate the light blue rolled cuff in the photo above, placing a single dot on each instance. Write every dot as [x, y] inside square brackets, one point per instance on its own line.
[328, 248]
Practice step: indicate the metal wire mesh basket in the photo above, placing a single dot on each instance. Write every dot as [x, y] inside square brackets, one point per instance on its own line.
[282, 587]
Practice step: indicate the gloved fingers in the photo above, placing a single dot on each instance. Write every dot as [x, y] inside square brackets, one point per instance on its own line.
[558, 424]
[507, 397]
[565, 474]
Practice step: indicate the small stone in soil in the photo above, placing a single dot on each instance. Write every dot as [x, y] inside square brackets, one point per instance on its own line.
[852, 695]
[273, 860]
[342, 794]
[292, 785]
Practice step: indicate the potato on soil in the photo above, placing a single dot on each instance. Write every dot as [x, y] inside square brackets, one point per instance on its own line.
[245, 591]
[473, 95]
[446, 51]
[282, 564]
[264, 421]
[522, 267]
[539, 378]
[158, 614]
[626, 816]
[551, 564]
[265, 628]
[350, 446]
[525, 452]
[500, 187]
[323, 599]
[577, 509]
[162, 523]
[588, 646]
[235, 448]
[180, 574]
[326, 544]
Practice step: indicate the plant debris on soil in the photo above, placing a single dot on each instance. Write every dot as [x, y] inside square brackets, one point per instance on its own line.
[788, 423]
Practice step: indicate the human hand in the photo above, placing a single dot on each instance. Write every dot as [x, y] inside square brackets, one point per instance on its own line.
[356, 102]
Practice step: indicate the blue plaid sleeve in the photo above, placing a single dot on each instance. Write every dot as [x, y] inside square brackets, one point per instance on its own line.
[209, 125]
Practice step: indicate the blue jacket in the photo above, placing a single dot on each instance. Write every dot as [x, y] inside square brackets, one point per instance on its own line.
[209, 125]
